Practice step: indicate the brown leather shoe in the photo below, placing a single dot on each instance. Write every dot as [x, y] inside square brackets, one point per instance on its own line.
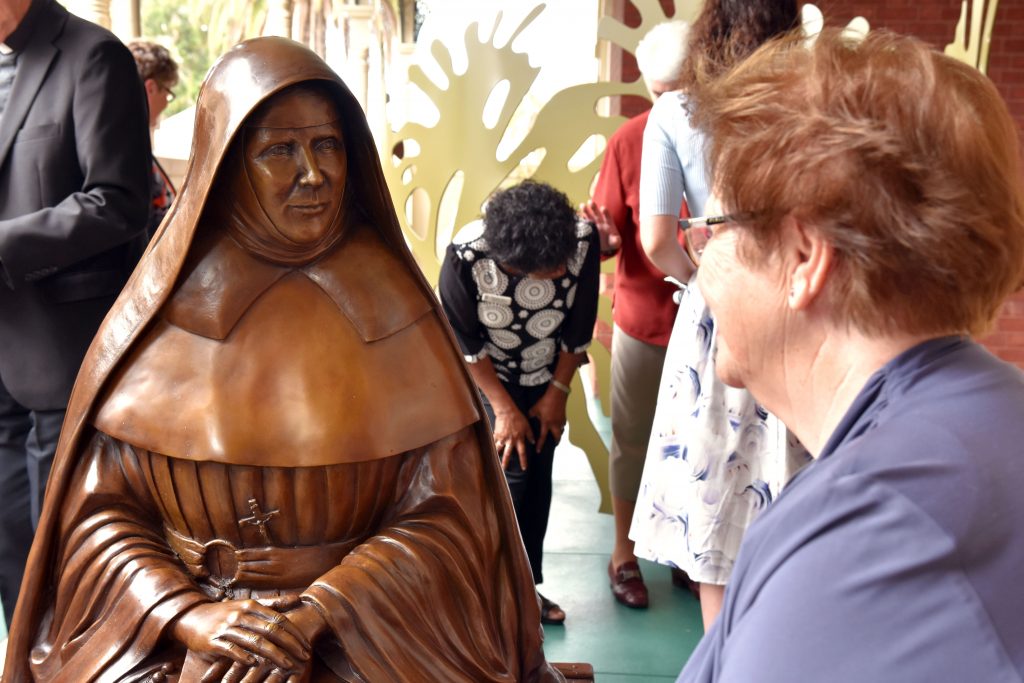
[628, 585]
[681, 579]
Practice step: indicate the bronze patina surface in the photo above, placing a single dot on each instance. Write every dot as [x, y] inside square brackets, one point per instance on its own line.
[274, 465]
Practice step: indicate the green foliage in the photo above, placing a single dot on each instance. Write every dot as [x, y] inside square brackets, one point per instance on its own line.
[197, 32]
[168, 23]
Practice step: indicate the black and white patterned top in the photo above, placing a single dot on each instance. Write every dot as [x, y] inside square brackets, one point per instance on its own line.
[521, 323]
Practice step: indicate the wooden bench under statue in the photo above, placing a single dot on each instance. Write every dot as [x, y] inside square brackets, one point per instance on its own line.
[576, 672]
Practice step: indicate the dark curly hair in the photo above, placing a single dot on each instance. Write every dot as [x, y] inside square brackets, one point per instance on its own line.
[530, 227]
[154, 61]
[728, 31]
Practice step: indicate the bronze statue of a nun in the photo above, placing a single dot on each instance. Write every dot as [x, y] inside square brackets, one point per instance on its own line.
[274, 466]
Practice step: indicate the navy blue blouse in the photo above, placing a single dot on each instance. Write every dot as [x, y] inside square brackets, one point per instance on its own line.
[899, 554]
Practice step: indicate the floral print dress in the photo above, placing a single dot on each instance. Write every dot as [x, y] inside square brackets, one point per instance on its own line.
[715, 459]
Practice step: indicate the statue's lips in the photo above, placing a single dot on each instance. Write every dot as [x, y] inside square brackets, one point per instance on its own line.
[308, 209]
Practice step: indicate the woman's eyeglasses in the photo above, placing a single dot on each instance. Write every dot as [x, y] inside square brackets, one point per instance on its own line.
[168, 92]
[697, 231]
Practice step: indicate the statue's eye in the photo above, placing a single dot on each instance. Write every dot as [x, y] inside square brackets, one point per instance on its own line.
[278, 150]
[328, 145]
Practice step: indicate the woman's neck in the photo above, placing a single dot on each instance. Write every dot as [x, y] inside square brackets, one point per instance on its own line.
[822, 378]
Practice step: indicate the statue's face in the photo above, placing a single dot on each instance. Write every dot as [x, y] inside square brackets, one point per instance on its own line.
[296, 161]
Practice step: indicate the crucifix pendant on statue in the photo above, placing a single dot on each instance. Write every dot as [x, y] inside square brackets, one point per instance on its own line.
[258, 519]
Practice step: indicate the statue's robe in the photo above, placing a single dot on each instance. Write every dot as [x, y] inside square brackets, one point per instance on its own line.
[198, 485]
[319, 382]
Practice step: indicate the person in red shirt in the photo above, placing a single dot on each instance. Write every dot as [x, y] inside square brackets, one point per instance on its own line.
[643, 306]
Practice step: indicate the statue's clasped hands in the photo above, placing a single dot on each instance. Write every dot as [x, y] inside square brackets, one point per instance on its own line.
[251, 641]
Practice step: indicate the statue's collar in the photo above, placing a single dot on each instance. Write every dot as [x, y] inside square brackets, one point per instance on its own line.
[368, 283]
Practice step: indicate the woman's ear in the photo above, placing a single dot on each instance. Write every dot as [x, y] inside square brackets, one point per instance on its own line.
[810, 260]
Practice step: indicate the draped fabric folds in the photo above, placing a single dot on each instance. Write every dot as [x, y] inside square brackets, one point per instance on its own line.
[409, 598]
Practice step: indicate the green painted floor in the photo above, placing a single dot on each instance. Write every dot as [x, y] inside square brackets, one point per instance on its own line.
[623, 645]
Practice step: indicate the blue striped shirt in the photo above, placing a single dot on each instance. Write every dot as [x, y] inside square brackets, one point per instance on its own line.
[673, 164]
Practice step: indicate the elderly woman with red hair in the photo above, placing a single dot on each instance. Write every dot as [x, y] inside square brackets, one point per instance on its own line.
[872, 223]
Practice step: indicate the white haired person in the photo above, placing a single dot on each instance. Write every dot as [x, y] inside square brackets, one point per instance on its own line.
[643, 308]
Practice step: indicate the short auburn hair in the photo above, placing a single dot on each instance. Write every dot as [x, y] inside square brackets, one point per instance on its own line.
[906, 161]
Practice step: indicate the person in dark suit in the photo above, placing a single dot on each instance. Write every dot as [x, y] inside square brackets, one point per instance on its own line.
[74, 201]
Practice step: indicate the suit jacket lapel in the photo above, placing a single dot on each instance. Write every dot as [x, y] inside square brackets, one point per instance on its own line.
[33, 65]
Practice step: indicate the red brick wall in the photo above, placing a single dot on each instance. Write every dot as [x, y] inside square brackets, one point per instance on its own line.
[930, 20]
[933, 21]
